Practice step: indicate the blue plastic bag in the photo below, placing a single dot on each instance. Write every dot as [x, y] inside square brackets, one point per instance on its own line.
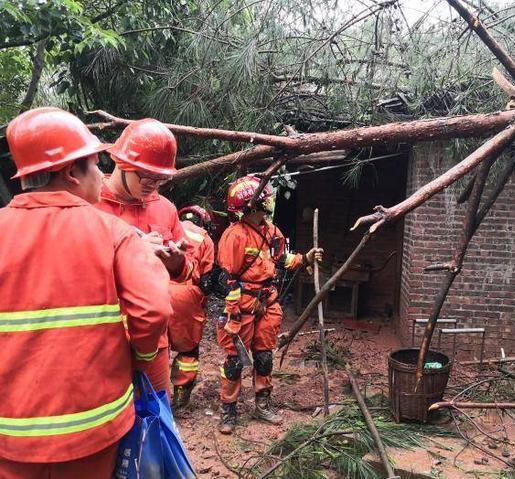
[152, 449]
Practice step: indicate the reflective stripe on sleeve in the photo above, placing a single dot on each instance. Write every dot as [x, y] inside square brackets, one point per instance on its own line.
[290, 258]
[252, 251]
[66, 423]
[59, 318]
[234, 295]
[197, 237]
[146, 356]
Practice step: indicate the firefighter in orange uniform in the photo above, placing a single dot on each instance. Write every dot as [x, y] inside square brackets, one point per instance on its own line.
[248, 252]
[66, 270]
[144, 155]
[189, 301]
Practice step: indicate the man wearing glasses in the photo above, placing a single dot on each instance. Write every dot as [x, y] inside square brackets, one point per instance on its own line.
[144, 155]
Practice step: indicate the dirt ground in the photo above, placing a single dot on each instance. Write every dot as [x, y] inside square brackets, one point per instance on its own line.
[298, 395]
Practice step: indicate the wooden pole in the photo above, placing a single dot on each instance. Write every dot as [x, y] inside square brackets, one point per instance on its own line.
[472, 405]
[287, 338]
[323, 345]
[371, 426]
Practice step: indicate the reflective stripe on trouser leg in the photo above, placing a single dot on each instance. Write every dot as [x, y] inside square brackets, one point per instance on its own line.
[184, 370]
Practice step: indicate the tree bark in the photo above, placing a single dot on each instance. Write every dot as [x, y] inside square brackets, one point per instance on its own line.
[500, 53]
[229, 135]
[371, 426]
[491, 149]
[391, 133]
[38, 64]
[472, 405]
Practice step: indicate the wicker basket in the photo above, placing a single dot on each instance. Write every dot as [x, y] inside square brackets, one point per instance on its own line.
[404, 402]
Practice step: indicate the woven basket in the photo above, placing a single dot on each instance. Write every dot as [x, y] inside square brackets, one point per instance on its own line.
[405, 403]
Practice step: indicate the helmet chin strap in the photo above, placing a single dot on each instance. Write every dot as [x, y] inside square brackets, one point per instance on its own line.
[125, 184]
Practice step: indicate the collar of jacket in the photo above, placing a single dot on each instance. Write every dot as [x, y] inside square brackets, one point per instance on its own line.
[43, 199]
[107, 195]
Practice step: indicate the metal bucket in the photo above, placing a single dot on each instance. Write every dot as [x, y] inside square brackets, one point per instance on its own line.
[405, 403]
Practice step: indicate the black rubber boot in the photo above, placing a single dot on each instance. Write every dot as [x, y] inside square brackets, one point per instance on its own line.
[229, 418]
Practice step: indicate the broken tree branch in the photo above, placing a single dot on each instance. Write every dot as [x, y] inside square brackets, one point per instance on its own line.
[287, 337]
[238, 136]
[472, 405]
[465, 194]
[371, 425]
[400, 132]
[265, 178]
[471, 222]
[509, 359]
[491, 149]
[323, 345]
[475, 24]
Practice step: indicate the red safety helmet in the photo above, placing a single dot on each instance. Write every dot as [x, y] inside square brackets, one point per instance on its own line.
[46, 139]
[241, 192]
[188, 212]
[146, 145]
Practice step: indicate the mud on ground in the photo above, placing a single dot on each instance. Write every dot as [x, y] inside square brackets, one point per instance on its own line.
[297, 396]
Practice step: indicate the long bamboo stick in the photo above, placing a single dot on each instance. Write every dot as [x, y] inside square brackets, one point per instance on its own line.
[323, 345]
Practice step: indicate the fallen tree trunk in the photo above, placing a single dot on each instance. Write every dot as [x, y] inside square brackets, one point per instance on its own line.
[401, 132]
[472, 405]
[322, 157]
[491, 149]
[229, 135]
[371, 426]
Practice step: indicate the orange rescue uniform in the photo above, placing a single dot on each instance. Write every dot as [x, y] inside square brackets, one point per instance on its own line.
[157, 214]
[249, 253]
[187, 322]
[66, 363]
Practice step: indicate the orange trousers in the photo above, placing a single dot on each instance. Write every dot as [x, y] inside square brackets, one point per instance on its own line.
[185, 329]
[99, 465]
[157, 370]
[258, 336]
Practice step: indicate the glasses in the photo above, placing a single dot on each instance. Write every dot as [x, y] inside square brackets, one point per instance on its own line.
[152, 181]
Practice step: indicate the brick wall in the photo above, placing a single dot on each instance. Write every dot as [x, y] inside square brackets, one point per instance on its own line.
[483, 295]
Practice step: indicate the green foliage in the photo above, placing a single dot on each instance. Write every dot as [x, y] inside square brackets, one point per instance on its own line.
[337, 444]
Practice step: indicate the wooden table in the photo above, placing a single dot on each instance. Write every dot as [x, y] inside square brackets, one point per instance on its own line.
[351, 279]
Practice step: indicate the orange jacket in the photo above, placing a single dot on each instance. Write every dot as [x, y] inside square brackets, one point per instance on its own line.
[250, 253]
[188, 299]
[156, 213]
[66, 365]
[203, 250]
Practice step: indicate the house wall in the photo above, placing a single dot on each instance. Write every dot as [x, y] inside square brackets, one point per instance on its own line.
[483, 295]
[339, 207]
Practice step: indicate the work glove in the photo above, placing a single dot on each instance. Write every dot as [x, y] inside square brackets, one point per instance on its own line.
[233, 324]
[314, 254]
